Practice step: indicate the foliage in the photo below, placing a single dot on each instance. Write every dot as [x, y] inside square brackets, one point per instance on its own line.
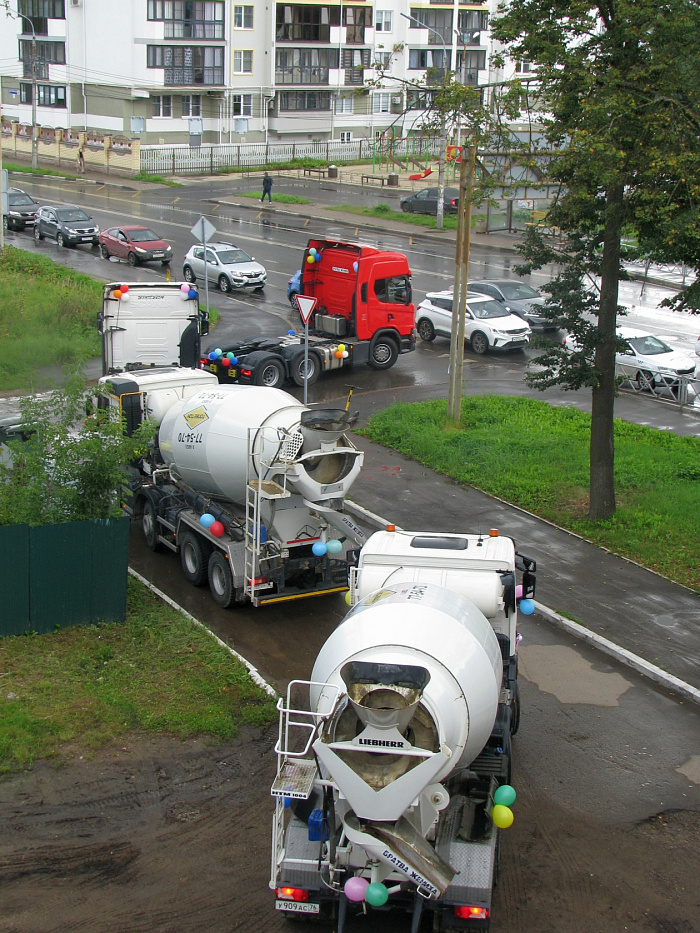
[90, 685]
[534, 455]
[70, 468]
[27, 170]
[157, 180]
[282, 198]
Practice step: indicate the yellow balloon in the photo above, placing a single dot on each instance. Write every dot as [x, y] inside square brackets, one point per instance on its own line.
[502, 816]
[341, 347]
[347, 597]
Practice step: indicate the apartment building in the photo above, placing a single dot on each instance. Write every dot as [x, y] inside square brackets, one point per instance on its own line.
[212, 71]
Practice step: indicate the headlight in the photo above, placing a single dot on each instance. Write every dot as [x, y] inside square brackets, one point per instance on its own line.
[140, 249]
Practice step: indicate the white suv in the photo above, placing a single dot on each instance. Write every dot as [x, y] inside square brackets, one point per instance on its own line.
[227, 266]
[488, 326]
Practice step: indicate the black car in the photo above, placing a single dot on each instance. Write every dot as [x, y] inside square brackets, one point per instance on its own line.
[67, 225]
[519, 298]
[425, 201]
[21, 210]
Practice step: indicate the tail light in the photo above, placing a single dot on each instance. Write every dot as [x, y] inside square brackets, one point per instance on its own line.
[454, 202]
[467, 912]
[292, 894]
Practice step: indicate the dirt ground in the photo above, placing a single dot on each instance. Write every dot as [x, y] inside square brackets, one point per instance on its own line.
[160, 835]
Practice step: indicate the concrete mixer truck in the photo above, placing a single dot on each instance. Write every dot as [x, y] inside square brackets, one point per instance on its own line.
[394, 759]
[245, 483]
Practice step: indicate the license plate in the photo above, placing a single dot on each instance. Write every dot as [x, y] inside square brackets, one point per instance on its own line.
[213, 367]
[263, 586]
[157, 255]
[87, 239]
[232, 373]
[299, 907]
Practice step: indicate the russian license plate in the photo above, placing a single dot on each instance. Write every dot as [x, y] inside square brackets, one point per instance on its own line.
[232, 373]
[157, 255]
[87, 239]
[299, 907]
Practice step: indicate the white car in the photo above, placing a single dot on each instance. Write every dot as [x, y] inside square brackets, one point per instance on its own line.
[649, 363]
[488, 326]
[227, 266]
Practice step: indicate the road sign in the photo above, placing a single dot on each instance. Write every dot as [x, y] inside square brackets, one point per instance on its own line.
[306, 306]
[203, 230]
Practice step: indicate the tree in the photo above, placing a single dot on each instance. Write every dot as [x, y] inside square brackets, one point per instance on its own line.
[618, 96]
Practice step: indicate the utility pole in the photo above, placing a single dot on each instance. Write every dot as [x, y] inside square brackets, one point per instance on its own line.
[459, 292]
[35, 156]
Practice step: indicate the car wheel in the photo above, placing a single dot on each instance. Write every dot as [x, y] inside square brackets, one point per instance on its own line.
[150, 525]
[5, 222]
[299, 368]
[293, 300]
[644, 380]
[104, 252]
[189, 274]
[406, 208]
[479, 342]
[426, 331]
[221, 580]
[194, 556]
[60, 240]
[269, 373]
[383, 353]
[224, 284]
[132, 259]
[38, 235]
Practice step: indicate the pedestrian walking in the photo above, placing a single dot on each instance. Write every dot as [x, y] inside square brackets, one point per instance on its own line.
[267, 188]
[81, 161]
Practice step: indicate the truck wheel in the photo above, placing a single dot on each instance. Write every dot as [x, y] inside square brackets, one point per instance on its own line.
[132, 259]
[104, 252]
[150, 525]
[224, 284]
[269, 373]
[298, 368]
[479, 342]
[194, 555]
[426, 331]
[221, 580]
[383, 353]
[189, 274]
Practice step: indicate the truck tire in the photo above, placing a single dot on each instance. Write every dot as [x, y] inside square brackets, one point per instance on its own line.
[149, 525]
[194, 556]
[479, 342]
[221, 580]
[383, 352]
[298, 369]
[269, 373]
[425, 329]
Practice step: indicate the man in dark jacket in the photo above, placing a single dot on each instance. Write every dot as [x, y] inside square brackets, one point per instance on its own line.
[267, 188]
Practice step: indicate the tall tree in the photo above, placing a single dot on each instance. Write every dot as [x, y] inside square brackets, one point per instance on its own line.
[617, 92]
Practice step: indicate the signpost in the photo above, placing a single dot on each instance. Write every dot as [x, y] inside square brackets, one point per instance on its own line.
[306, 306]
[203, 230]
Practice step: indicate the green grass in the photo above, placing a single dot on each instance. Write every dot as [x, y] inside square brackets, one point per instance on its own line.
[27, 170]
[537, 456]
[87, 686]
[282, 198]
[384, 211]
[157, 180]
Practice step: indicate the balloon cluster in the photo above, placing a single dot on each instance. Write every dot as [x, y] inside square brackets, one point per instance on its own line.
[358, 889]
[187, 291]
[121, 292]
[314, 256]
[321, 548]
[501, 814]
[341, 353]
[226, 359]
[526, 606]
[355, 266]
[215, 527]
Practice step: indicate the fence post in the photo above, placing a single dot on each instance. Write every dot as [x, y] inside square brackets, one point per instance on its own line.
[173, 172]
[211, 160]
[294, 151]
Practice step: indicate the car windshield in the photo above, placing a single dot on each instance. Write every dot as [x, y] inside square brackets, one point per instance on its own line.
[649, 346]
[484, 309]
[229, 257]
[143, 236]
[517, 291]
[72, 215]
[17, 199]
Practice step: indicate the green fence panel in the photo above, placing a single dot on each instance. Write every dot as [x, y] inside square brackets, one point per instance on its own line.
[14, 579]
[60, 559]
[110, 569]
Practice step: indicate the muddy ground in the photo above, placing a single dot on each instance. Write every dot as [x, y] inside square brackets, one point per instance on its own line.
[159, 835]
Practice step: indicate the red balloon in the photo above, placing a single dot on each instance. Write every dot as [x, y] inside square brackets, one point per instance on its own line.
[217, 529]
[225, 361]
[124, 289]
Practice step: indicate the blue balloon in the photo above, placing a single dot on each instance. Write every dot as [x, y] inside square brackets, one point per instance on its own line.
[527, 607]
[319, 548]
[355, 267]
[192, 293]
[234, 360]
[317, 257]
[213, 355]
[206, 520]
[291, 333]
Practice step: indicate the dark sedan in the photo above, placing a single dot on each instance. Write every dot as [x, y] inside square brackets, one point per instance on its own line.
[135, 244]
[21, 210]
[425, 201]
[519, 299]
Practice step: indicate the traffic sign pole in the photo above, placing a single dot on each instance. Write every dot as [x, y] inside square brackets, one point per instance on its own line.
[203, 230]
[306, 305]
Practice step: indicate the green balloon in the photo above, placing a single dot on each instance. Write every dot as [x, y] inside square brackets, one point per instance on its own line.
[505, 795]
[376, 894]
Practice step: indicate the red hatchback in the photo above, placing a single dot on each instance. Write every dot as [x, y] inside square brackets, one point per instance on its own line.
[135, 244]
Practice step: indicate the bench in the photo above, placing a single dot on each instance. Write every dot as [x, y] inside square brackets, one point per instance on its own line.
[320, 172]
[537, 219]
[366, 179]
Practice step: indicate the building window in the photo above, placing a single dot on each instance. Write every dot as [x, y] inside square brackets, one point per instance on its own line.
[243, 105]
[522, 66]
[305, 100]
[346, 137]
[418, 100]
[243, 62]
[306, 23]
[54, 53]
[192, 105]
[187, 65]
[243, 17]
[437, 21]
[304, 66]
[345, 104]
[381, 102]
[189, 19]
[422, 59]
[470, 25]
[40, 12]
[47, 95]
[382, 61]
[384, 21]
[162, 105]
[468, 66]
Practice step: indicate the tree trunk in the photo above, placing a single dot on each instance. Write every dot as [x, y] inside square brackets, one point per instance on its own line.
[602, 451]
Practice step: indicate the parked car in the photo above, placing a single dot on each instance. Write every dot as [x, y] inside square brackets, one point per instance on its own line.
[135, 244]
[228, 266]
[425, 201]
[518, 298]
[67, 225]
[21, 210]
[648, 363]
[488, 326]
[293, 289]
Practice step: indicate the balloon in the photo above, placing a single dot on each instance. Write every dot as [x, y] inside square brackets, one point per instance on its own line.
[185, 295]
[206, 520]
[219, 351]
[310, 260]
[217, 529]
[230, 356]
[317, 257]
[334, 546]
[234, 360]
[225, 362]
[355, 888]
[341, 347]
[124, 289]
[519, 591]
[192, 293]
[319, 548]
[125, 297]
[502, 816]
[312, 251]
[527, 607]
[184, 288]
[212, 355]
[117, 292]
[376, 894]
[505, 795]
[338, 354]
[291, 333]
[347, 597]
[355, 267]
[345, 354]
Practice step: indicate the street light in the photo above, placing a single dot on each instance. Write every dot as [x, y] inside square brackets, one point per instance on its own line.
[441, 161]
[35, 158]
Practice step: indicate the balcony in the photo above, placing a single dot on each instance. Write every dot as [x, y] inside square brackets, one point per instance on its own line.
[354, 35]
[302, 75]
[354, 77]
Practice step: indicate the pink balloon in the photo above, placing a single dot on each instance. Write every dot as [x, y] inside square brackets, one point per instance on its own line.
[355, 888]
[519, 591]
[217, 529]
[184, 287]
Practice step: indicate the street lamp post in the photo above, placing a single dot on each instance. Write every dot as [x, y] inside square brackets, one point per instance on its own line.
[35, 157]
[441, 161]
